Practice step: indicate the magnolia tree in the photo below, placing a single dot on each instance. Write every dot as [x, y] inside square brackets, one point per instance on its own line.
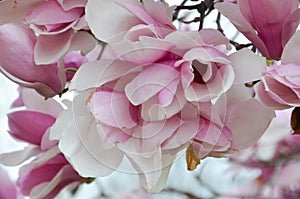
[143, 85]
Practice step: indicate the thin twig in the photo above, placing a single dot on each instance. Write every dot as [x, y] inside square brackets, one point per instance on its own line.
[176, 13]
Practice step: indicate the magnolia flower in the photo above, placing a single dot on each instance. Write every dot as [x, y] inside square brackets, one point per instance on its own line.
[136, 107]
[18, 63]
[49, 172]
[57, 32]
[280, 85]
[102, 127]
[269, 32]
[47, 79]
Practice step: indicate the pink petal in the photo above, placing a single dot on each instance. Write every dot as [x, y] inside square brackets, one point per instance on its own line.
[51, 12]
[37, 175]
[280, 92]
[18, 63]
[46, 143]
[290, 25]
[29, 126]
[233, 13]
[166, 96]
[161, 12]
[112, 108]
[18, 157]
[111, 136]
[153, 111]
[35, 102]
[99, 73]
[49, 48]
[122, 19]
[69, 4]
[66, 177]
[82, 146]
[13, 12]
[139, 11]
[153, 134]
[185, 40]
[247, 66]
[240, 122]
[263, 96]
[268, 26]
[147, 50]
[214, 37]
[183, 135]
[84, 149]
[83, 42]
[289, 55]
[149, 82]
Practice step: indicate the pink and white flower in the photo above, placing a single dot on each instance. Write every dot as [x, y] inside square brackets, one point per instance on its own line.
[269, 32]
[137, 107]
[280, 85]
[17, 62]
[22, 64]
[54, 16]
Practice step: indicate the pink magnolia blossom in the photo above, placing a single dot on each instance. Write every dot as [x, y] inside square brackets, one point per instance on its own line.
[17, 62]
[137, 107]
[8, 188]
[130, 18]
[280, 85]
[53, 17]
[49, 172]
[115, 130]
[269, 32]
[54, 22]
[25, 66]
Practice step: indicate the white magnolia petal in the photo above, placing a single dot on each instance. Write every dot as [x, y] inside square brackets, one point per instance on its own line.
[82, 145]
[35, 102]
[99, 73]
[41, 88]
[289, 54]
[17, 157]
[247, 66]
[162, 173]
[241, 120]
[119, 20]
[149, 82]
[82, 41]
[49, 48]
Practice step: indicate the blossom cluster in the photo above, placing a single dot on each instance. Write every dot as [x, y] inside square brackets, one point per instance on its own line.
[142, 88]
